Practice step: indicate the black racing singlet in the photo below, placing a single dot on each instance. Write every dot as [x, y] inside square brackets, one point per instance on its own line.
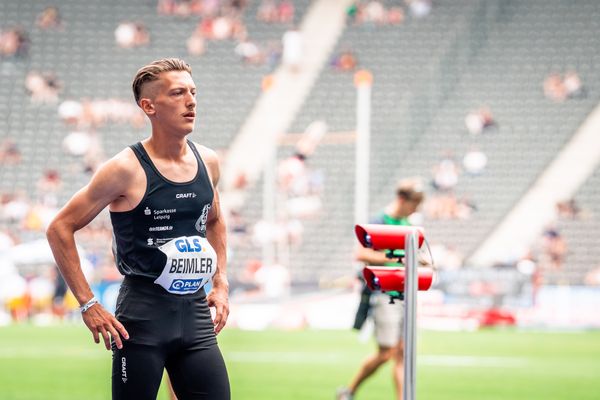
[168, 210]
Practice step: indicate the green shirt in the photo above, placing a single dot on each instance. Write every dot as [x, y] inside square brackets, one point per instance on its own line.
[403, 221]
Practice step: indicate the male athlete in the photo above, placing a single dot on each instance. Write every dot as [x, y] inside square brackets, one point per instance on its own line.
[387, 317]
[169, 240]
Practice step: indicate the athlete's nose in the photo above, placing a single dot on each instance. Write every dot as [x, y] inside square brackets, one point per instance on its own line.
[190, 101]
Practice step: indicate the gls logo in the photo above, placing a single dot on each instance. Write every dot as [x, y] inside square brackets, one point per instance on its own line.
[184, 246]
[185, 195]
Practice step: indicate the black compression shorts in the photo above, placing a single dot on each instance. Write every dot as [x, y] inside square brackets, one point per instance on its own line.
[166, 331]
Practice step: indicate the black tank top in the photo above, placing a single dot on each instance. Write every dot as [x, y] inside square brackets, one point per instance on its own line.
[168, 210]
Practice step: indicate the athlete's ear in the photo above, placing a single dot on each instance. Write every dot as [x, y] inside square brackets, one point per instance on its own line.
[147, 106]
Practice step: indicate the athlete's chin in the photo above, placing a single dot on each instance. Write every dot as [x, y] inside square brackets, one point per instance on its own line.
[187, 129]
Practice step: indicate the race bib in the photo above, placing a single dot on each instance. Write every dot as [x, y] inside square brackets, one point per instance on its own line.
[191, 262]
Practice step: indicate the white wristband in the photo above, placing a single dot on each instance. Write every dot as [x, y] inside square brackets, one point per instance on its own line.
[90, 303]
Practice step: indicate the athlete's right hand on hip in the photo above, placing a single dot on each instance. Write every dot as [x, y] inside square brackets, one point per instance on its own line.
[101, 322]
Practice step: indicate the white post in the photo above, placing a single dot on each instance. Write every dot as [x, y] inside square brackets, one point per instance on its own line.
[363, 81]
[269, 205]
[410, 320]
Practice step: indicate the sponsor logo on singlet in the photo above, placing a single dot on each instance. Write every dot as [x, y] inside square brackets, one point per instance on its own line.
[185, 285]
[190, 263]
[201, 221]
[185, 195]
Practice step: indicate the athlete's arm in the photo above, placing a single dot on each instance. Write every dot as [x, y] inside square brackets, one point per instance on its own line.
[217, 236]
[106, 185]
[370, 256]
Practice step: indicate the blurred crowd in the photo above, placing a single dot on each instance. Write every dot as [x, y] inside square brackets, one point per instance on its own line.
[37, 289]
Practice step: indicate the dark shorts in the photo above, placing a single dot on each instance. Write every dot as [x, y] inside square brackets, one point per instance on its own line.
[166, 331]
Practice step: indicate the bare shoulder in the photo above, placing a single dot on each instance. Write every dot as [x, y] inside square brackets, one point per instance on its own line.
[122, 166]
[117, 173]
[208, 154]
[211, 160]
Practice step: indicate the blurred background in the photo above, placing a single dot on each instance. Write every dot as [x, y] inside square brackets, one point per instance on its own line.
[490, 104]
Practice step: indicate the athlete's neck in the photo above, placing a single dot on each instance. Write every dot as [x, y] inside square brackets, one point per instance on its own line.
[172, 148]
[394, 210]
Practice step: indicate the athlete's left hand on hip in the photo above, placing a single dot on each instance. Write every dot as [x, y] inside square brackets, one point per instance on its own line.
[219, 299]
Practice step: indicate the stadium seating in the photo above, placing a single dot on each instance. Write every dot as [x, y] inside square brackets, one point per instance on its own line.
[436, 70]
[87, 60]
[580, 234]
[428, 74]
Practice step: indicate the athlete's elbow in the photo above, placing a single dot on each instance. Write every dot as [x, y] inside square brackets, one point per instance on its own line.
[52, 231]
[55, 229]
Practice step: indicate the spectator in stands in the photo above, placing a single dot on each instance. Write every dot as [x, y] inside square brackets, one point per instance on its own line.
[9, 152]
[447, 257]
[131, 34]
[267, 11]
[43, 88]
[238, 5]
[293, 174]
[592, 278]
[445, 174]
[196, 44]
[419, 8]
[448, 206]
[374, 11]
[273, 54]
[49, 19]
[14, 207]
[70, 112]
[568, 209]
[222, 28]
[86, 145]
[90, 114]
[7, 239]
[395, 15]
[345, 61]
[249, 52]
[237, 224]
[77, 143]
[38, 217]
[166, 7]
[285, 11]
[474, 161]
[273, 280]
[293, 49]
[48, 187]
[554, 249]
[554, 88]
[480, 121]
[573, 85]
[14, 42]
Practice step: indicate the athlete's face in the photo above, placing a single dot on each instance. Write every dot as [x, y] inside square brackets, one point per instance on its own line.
[406, 207]
[173, 101]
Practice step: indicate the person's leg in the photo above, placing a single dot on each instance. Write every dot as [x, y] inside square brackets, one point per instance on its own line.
[172, 395]
[398, 370]
[369, 366]
[199, 374]
[136, 372]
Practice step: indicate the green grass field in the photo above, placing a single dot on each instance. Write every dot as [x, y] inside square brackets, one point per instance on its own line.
[62, 362]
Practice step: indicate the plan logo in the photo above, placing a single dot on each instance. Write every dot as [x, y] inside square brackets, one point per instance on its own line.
[185, 285]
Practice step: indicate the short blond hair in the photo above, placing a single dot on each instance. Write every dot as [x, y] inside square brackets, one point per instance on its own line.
[150, 73]
[410, 190]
